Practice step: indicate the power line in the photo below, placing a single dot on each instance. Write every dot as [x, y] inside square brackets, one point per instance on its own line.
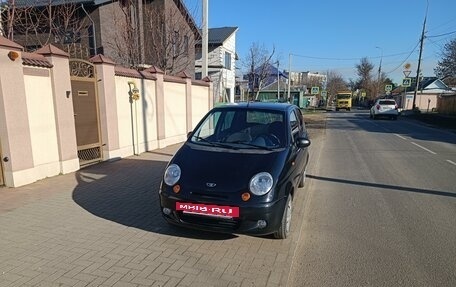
[400, 65]
[441, 35]
[348, 59]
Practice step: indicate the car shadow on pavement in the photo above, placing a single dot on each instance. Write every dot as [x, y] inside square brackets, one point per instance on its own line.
[126, 192]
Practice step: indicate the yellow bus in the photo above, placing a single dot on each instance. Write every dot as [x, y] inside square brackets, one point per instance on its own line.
[344, 100]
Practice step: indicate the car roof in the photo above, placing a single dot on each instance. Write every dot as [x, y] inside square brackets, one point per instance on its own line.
[259, 105]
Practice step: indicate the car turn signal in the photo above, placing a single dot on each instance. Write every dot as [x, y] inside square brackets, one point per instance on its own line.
[176, 188]
[245, 196]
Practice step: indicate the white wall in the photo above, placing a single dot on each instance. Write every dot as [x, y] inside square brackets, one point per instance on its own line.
[137, 120]
[175, 112]
[200, 104]
[42, 125]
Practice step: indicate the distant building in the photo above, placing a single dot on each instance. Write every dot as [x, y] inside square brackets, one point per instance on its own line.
[221, 62]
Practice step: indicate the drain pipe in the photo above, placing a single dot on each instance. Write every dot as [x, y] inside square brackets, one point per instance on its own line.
[93, 27]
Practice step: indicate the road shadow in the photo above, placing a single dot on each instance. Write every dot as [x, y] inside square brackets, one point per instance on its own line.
[126, 192]
[384, 186]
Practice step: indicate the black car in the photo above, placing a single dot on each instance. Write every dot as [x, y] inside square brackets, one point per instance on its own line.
[238, 171]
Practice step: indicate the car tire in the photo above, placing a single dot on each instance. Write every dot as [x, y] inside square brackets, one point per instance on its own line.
[302, 180]
[284, 229]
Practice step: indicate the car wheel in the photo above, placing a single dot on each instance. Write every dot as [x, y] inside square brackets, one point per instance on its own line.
[285, 224]
[302, 180]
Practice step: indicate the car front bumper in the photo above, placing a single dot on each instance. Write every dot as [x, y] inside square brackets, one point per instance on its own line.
[250, 221]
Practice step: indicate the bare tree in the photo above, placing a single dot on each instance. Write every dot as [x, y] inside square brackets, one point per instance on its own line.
[258, 62]
[335, 83]
[170, 39]
[160, 37]
[365, 82]
[35, 26]
[125, 42]
[446, 66]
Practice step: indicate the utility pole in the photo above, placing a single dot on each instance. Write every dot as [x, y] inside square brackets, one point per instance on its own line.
[205, 41]
[289, 76]
[419, 61]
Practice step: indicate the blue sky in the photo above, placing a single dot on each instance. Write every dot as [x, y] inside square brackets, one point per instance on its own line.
[334, 35]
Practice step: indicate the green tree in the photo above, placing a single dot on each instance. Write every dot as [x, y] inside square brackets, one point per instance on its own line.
[446, 67]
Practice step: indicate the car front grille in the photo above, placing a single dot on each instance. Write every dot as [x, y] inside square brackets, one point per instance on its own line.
[220, 223]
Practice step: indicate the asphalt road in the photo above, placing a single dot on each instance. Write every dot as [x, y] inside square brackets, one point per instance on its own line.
[380, 206]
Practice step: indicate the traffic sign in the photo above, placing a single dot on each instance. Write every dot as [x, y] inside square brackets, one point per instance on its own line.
[315, 90]
[406, 82]
[388, 88]
[323, 94]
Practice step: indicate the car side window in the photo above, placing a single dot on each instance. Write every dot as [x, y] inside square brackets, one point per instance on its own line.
[302, 125]
[294, 124]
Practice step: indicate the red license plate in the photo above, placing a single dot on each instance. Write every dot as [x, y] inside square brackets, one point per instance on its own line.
[208, 209]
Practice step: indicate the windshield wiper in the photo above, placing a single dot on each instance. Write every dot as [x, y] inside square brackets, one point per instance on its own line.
[252, 145]
[217, 144]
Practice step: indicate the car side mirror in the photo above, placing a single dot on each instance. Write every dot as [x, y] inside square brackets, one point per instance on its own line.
[302, 142]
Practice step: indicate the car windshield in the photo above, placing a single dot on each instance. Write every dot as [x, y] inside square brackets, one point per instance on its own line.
[343, 96]
[242, 128]
[387, 102]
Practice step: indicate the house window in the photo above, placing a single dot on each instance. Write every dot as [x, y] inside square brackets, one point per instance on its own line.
[186, 45]
[176, 49]
[198, 75]
[227, 61]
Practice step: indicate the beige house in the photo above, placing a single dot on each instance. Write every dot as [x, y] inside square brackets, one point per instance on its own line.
[58, 114]
[428, 92]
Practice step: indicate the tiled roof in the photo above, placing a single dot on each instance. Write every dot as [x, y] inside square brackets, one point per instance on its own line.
[219, 35]
[126, 72]
[216, 36]
[37, 60]
[40, 3]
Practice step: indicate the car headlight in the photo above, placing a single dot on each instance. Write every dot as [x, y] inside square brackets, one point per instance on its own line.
[261, 183]
[172, 174]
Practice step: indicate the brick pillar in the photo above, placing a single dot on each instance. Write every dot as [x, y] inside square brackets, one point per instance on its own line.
[109, 120]
[159, 105]
[63, 108]
[15, 139]
[188, 99]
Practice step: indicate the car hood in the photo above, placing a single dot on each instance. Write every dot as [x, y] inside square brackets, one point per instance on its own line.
[220, 169]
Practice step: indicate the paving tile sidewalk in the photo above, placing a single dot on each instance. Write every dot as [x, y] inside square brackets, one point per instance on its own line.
[101, 226]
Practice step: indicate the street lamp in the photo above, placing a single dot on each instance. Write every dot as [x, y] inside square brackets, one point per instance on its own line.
[379, 70]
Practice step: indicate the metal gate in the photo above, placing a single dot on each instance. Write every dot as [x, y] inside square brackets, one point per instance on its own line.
[86, 111]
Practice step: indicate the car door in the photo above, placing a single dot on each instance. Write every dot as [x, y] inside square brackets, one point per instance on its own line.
[298, 155]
